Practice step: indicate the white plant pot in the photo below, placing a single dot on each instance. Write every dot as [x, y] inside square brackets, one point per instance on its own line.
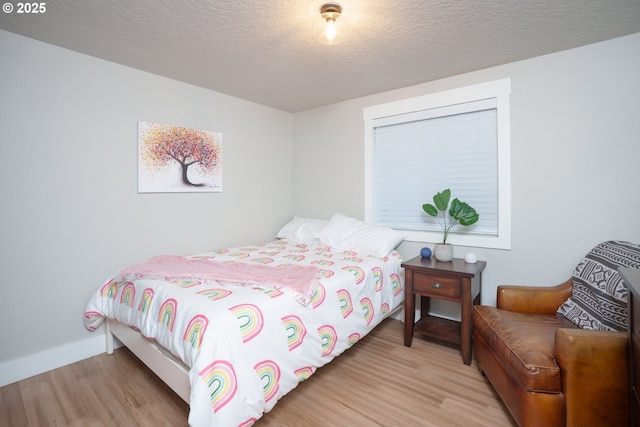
[443, 252]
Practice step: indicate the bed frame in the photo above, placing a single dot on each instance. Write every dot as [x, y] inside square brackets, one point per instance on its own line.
[172, 372]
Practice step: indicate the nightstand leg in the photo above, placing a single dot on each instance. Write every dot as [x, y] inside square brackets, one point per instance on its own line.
[409, 308]
[466, 325]
[425, 306]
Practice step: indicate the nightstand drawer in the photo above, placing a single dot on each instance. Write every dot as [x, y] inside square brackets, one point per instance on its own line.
[442, 286]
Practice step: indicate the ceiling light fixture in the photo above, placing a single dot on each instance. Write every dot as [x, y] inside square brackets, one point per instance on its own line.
[330, 12]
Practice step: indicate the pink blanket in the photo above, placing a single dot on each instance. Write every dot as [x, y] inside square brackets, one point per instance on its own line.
[299, 280]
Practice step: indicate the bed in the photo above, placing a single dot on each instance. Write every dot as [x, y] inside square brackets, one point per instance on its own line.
[233, 330]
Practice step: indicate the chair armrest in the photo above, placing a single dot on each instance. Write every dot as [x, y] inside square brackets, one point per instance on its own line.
[533, 299]
[594, 366]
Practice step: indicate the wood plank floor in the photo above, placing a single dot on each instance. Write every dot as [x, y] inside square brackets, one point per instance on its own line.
[378, 382]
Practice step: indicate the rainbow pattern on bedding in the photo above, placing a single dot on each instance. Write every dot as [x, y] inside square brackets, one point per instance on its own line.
[322, 262]
[304, 373]
[269, 373]
[377, 277]
[186, 283]
[109, 290]
[215, 294]
[247, 346]
[326, 273]
[396, 284]
[385, 309]
[353, 338]
[128, 294]
[167, 316]
[220, 380]
[318, 297]
[296, 331]
[250, 320]
[357, 272]
[195, 330]
[367, 307]
[263, 260]
[346, 307]
[145, 301]
[329, 337]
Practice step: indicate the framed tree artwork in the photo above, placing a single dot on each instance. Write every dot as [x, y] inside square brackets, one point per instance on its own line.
[173, 159]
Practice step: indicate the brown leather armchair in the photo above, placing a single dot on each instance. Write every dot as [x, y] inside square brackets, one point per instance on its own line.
[547, 371]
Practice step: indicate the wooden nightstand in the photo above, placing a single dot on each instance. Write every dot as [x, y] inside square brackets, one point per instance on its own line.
[454, 281]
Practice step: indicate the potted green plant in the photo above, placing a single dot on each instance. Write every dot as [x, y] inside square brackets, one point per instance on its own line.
[459, 213]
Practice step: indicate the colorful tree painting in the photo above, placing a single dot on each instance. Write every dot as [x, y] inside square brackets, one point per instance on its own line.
[192, 155]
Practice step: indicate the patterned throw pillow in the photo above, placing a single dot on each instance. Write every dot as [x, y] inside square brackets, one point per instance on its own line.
[599, 299]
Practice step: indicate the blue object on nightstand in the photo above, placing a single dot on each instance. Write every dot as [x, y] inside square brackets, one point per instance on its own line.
[425, 252]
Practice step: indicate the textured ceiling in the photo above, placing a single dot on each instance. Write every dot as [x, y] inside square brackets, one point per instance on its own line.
[270, 53]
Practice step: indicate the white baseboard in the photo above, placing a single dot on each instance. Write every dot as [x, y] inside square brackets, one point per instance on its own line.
[38, 363]
[398, 314]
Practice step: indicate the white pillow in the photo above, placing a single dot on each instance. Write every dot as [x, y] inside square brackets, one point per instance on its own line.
[302, 230]
[345, 233]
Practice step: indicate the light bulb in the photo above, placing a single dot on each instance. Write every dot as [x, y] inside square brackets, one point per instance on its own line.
[330, 30]
[330, 12]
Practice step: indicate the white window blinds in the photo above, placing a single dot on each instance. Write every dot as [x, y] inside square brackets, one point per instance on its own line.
[429, 151]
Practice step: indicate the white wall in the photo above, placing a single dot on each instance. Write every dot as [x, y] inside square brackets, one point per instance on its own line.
[575, 159]
[69, 208]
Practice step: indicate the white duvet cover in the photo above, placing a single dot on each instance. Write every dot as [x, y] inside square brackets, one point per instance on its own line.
[248, 346]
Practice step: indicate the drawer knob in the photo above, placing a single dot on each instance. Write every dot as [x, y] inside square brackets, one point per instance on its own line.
[436, 285]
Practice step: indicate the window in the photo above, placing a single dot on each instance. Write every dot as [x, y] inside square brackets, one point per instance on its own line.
[458, 139]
